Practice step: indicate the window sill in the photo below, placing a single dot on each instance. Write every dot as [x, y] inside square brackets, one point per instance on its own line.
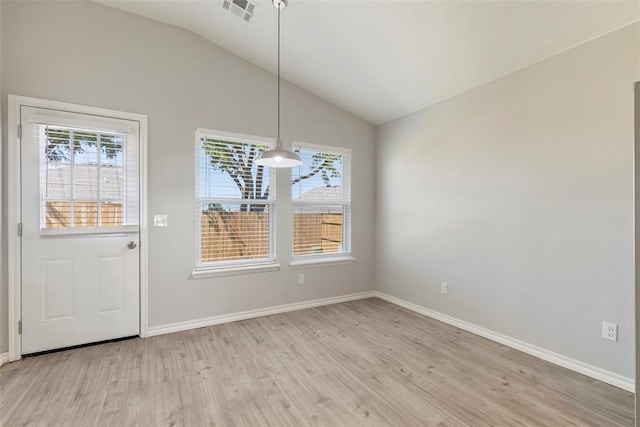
[84, 231]
[321, 262]
[232, 271]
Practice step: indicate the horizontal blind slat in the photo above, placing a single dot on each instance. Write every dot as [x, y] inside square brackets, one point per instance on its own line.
[236, 202]
[321, 201]
[84, 182]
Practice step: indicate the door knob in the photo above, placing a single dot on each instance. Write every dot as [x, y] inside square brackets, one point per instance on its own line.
[132, 245]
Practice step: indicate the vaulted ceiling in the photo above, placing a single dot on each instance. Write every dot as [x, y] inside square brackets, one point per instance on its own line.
[383, 59]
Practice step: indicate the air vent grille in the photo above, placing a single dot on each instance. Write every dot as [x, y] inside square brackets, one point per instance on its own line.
[243, 9]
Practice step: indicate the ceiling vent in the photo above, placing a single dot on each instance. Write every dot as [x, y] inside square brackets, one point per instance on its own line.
[241, 8]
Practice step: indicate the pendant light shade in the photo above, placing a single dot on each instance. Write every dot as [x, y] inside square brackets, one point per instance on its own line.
[279, 157]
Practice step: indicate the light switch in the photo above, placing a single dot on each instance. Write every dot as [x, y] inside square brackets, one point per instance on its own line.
[160, 221]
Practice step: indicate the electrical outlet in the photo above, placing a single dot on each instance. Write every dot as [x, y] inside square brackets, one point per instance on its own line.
[300, 279]
[610, 331]
[444, 288]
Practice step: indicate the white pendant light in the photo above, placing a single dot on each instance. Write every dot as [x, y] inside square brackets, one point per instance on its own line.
[279, 157]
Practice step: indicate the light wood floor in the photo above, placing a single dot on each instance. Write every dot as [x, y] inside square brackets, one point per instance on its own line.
[366, 362]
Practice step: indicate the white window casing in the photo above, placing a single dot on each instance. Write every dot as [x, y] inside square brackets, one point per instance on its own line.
[89, 181]
[321, 198]
[235, 205]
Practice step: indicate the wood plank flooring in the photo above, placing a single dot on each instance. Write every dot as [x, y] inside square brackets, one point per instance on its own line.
[365, 362]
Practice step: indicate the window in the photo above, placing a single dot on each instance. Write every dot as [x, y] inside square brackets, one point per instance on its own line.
[321, 202]
[88, 180]
[235, 201]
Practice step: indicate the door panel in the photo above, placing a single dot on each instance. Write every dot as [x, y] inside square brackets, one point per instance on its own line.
[111, 279]
[80, 276]
[56, 289]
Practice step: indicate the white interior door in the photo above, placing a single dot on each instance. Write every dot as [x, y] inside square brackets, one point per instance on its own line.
[80, 228]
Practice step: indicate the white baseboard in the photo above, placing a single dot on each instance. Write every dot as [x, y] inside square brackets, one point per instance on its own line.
[243, 315]
[4, 358]
[603, 375]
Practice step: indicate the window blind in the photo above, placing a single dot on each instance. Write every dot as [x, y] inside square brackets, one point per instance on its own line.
[88, 179]
[321, 193]
[235, 209]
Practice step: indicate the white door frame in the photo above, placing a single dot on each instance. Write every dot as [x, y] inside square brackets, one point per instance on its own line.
[14, 201]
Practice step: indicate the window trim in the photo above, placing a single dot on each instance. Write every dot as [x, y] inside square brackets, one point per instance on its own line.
[345, 256]
[205, 273]
[321, 260]
[233, 267]
[96, 231]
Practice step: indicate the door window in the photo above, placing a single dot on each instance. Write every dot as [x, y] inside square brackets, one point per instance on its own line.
[85, 185]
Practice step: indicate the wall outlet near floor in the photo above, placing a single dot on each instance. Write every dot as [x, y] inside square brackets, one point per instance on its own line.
[610, 331]
[300, 279]
[444, 288]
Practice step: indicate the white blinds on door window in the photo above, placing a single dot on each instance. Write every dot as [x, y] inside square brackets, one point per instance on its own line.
[235, 212]
[321, 193]
[89, 180]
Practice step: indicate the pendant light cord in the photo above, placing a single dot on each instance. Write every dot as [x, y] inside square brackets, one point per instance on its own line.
[278, 141]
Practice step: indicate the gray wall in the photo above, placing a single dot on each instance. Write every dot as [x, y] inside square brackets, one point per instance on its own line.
[86, 53]
[519, 195]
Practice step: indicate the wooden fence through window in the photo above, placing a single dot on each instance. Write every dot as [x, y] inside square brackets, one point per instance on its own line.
[85, 214]
[224, 235]
[245, 235]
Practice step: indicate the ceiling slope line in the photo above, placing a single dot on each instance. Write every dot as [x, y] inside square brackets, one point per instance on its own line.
[485, 82]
